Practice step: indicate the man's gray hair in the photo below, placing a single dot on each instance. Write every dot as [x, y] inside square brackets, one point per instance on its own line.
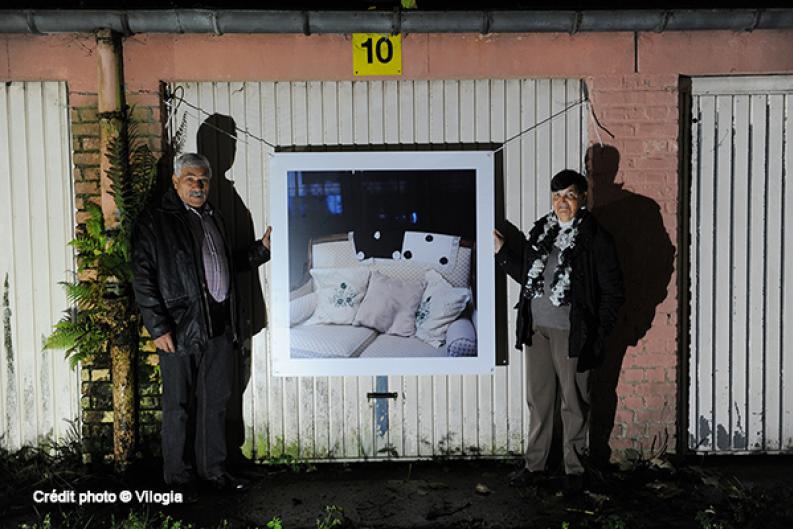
[191, 159]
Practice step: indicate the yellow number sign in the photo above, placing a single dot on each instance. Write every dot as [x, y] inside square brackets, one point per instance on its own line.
[376, 54]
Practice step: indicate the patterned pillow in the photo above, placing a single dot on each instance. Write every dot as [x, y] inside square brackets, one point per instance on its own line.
[339, 294]
[440, 305]
[408, 270]
[390, 305]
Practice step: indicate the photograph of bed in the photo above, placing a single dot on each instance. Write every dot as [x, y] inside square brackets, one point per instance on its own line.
[381, 264]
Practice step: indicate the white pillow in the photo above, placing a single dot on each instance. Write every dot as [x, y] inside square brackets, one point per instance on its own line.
[339, 294]
[440, 305]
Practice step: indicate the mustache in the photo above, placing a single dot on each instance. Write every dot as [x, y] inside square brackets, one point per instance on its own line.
[197, 194]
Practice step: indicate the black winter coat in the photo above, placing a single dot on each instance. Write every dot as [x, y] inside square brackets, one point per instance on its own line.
[596, 291]
[169, 283]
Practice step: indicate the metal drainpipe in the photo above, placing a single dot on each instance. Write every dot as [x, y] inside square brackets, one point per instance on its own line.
[113, 127]
[314, 22]
[111, 106]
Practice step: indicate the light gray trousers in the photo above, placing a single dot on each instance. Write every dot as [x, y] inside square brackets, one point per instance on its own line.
[549, 371]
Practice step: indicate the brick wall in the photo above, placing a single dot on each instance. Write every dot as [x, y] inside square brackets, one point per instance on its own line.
[640, 208]
[96, 383]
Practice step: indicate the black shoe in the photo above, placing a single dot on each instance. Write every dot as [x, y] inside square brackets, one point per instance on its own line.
[187, 489]
[526, 478]
[573, 485]
[226, 483]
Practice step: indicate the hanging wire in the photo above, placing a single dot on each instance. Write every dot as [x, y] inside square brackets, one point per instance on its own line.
[171, 97]
[181, 101]
[546, 120]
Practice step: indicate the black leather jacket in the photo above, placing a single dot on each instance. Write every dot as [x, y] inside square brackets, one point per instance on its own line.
[596, 291]
[169, 283]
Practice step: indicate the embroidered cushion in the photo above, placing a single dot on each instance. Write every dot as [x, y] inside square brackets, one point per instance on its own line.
[339, 294]
[440, 305]
[390, 305]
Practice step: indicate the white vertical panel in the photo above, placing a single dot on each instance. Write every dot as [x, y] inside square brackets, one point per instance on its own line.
[786, 372]
[498, 118]
[757, 320]
[774, 272]
[694, 352]
[740, 267]
[360, 112]
[23, 284]
[39, 392]
[275, 430]
[331, 417]
[740, 271]
[9, 426]
[513, 197]
[722, 352]
[705, 183]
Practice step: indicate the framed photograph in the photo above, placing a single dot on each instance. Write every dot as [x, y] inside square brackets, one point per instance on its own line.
[382, 263]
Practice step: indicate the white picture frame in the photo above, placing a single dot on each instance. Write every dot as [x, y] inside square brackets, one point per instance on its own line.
[481, 163]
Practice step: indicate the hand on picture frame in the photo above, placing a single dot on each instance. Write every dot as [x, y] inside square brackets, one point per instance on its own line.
[266, 237]
[498, 241]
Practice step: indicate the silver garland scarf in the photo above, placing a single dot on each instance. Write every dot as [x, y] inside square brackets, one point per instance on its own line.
[564, 239]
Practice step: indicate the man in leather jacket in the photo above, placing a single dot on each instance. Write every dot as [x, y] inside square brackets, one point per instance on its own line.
[184, 275]
[571, 290]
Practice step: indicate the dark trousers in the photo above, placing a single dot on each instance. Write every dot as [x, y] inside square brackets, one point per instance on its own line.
[196, 388]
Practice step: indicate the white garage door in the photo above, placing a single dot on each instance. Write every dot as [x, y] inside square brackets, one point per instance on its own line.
[39, 393]
[741, 364]
[331, 417]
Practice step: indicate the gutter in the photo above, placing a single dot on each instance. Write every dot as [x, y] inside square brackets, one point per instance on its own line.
[218, 22]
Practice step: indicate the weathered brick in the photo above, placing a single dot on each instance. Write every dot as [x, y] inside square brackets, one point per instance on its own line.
[661, 113]
[86, 158]
[632, 375]
[85, 188]
[90, 174]
[619, 113]
[88, 114]
[657, 130]
[628, 97]
[658, 161]
[654, 374]
[89, 143]
[85, 129]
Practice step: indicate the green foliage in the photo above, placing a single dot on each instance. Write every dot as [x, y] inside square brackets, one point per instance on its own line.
[102, 312]
[275, 523]
[332, 516]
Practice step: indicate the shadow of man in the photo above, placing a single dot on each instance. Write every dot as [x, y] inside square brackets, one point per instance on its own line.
[646, 255]
[216, 139]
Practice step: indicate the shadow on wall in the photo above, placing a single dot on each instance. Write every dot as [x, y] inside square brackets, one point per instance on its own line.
[646, 256]
[216, 139]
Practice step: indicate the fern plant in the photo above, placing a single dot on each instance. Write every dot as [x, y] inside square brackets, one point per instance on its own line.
[102, 313]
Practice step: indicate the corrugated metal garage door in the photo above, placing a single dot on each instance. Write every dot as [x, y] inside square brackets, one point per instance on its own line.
[741, 364]
[39, 393]
[323, 417]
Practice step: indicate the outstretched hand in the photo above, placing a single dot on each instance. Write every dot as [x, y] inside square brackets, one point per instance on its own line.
[266, 237]
[498, 241]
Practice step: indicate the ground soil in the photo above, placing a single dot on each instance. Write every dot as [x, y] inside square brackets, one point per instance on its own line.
[734, 492]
